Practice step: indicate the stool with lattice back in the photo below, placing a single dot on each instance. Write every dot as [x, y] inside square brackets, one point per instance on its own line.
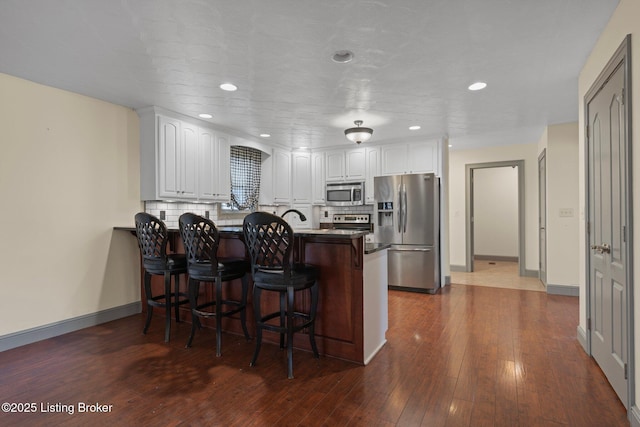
[153, 239]
[201, 240]
[269, 240]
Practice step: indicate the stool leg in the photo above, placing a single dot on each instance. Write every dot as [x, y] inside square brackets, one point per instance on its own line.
[256, 311]
[193, 286]
[243, 302]
[167, 306]
[282, 318]
[176, 296]
[312, 326]
[147, 291]
[290, 314]
[218, 314]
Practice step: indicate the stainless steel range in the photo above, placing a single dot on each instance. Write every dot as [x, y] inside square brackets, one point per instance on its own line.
[358, 221]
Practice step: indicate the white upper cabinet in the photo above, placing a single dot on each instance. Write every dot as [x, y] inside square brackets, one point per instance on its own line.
[355, 165]
[346, 165]
[335, 166]
[301, 177]
[318, 181]
[415, 157]
[177, 159]
[180, 160]
[281, 176]
[215, 175]
[372, 155]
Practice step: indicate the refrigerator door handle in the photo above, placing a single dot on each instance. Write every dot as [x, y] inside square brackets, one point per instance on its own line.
[401, 249]
[400, 210]
[404, 206]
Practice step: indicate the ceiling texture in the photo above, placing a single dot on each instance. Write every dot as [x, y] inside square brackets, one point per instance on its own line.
[413, 61]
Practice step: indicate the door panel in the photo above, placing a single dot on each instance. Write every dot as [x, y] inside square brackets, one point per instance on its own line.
[607, 213]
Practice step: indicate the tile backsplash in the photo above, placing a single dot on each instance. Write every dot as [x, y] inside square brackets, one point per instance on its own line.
[173, 210]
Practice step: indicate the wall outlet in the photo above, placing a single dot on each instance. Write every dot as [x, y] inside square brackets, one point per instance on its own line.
[326, 214]
[206, 214]
[163, 215]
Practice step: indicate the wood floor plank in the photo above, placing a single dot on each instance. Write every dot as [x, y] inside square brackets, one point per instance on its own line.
[466, 356]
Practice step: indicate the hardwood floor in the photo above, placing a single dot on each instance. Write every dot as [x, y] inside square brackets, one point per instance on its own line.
[467, 356]
[497, 274]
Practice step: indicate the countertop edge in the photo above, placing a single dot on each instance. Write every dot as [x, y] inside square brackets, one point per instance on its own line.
[335, 234]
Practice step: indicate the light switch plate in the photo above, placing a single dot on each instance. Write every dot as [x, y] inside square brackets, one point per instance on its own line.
[566, 212]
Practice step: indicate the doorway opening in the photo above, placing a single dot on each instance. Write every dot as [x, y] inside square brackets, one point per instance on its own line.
[484, 236]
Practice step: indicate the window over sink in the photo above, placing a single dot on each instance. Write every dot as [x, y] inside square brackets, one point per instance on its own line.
[245, 179]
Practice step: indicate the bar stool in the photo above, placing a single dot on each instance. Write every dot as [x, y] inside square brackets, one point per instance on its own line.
[269, 241]
[152, 240]
[201, 240]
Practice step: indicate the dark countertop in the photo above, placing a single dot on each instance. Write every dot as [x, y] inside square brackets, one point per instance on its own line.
[324, 232]
[370, 248]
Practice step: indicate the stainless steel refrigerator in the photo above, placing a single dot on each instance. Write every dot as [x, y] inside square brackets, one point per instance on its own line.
[408, 216]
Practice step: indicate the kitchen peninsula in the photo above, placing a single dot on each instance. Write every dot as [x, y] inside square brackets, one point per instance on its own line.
[352, 310]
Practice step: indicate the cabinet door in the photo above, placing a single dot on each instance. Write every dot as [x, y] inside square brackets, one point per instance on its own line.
[394, 159]
[281, 176]
[335, 166]
[223, 190]
[301, 177]
[355, 168]
[208, 162]
[373, 169]
[189, 161]
[168, 179]
[422, 157]
[318, 181]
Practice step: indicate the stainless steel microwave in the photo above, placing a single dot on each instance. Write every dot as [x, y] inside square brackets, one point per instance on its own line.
[344, 194]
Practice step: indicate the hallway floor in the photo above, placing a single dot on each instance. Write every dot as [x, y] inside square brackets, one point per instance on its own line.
[497, 274]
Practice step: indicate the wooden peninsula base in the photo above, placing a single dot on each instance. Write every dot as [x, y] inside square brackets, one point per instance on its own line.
[352, 310]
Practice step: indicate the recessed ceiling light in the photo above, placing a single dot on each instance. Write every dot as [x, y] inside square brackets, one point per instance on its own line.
[342, 56]
[229, 87]
[205, 116]
[264, 135]
[450, 145]
[416, 127]
[303, 148]
[477, 86]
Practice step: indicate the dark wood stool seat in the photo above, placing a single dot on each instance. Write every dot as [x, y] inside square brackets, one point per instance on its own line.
[269, 241]
[201, 240]
[152, 240]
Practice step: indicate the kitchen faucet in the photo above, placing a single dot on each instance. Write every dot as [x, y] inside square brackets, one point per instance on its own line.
[300, 214]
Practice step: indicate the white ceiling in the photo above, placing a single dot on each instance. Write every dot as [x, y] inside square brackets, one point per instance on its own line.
[413, 62]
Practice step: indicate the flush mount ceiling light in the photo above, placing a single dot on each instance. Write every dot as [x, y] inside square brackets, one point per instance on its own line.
[229, 87]
[342, 56]
[358, 134]
[477, 86]
[205, 116]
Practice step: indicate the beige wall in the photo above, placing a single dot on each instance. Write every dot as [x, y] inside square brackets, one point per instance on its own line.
[562, 195]
[458, 160]
[69, 172]
[624, 21]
